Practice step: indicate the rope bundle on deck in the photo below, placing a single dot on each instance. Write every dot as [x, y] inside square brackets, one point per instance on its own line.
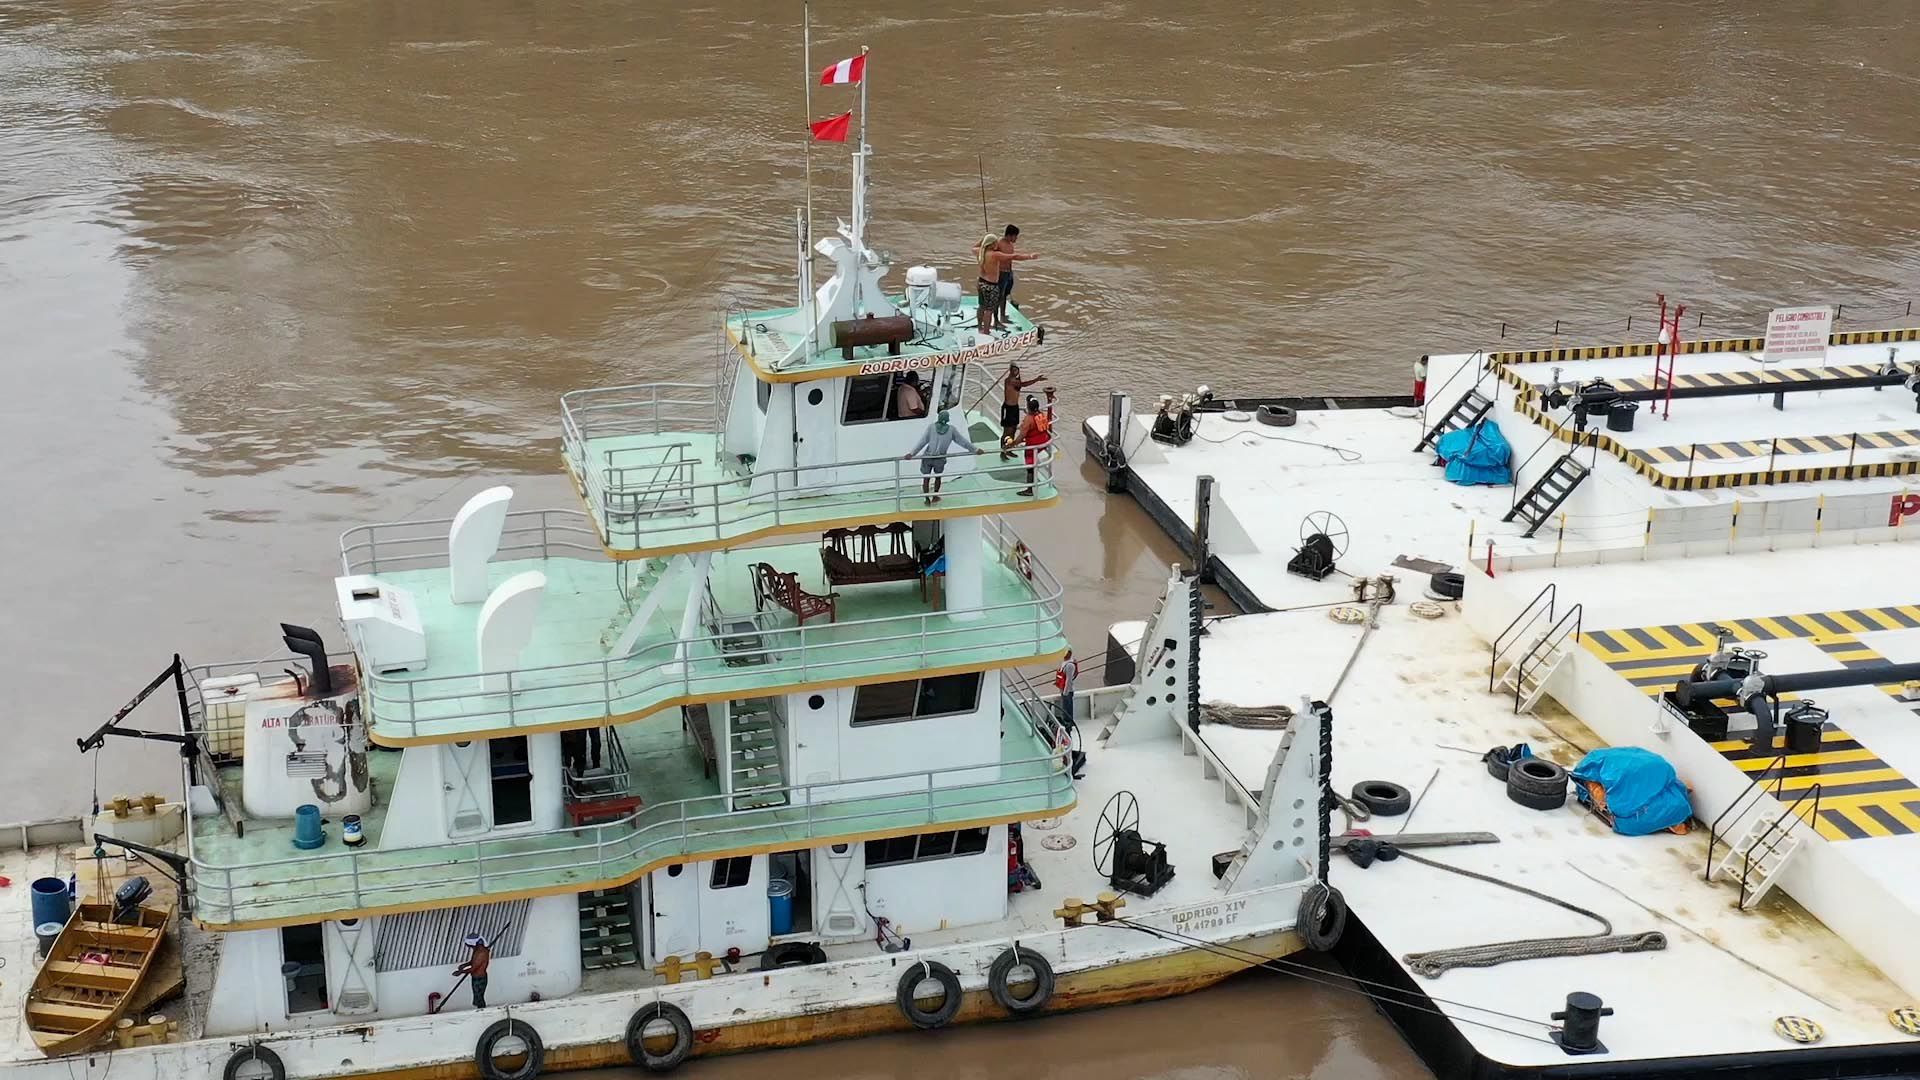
[1263, 717]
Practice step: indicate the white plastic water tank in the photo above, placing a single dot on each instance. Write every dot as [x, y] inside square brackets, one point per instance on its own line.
[383, 622]
[921, 276]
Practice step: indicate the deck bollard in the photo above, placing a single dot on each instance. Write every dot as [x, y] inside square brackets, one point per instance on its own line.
[1579, 1032]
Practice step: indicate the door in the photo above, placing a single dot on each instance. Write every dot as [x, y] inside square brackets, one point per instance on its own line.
[673, 912]
[813, 725]
[816, 418]
[466, 787]
[838, 873]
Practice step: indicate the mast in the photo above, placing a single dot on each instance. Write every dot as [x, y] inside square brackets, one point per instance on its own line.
[806, 242]
[860, 194]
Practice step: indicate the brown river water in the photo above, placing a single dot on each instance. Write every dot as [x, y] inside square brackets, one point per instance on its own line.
[271, 270]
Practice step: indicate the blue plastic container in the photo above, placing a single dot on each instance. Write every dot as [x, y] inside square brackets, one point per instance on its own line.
[51, 904]
[307, 833]
[780, 905]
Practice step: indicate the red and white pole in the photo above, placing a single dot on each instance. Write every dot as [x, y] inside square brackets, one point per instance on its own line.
[1420, 381]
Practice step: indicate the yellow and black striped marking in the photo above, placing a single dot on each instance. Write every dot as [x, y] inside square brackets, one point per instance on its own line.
[1760, 379]
[1860, 795]
[1803, 444]
[1656, 474]
[1563, 353]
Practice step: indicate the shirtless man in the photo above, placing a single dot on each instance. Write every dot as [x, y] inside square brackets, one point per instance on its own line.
[1010, 388]
[996, 258]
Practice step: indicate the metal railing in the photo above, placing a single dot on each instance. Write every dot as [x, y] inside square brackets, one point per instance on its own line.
[1567, 628]
[620, 850]
[641, 409]
[1541, 606]
[642, 493]
[672, 671]
[1737, 808]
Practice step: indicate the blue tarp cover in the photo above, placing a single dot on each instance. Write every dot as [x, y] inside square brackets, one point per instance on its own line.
[1476, 455]
[1643, 793]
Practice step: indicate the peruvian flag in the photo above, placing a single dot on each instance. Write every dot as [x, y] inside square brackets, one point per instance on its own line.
[846, 71]
[833, 128]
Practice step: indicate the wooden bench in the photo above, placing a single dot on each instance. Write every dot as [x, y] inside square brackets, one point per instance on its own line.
[871, 554]
[612, 808]
[783, 590]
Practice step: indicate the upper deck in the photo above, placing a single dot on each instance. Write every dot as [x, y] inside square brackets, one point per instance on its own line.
[766, 340]
[251, 876]
[651, 465]
[573, 673]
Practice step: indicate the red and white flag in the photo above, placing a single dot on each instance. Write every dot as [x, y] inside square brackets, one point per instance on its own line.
[833, 128]
[846, 71]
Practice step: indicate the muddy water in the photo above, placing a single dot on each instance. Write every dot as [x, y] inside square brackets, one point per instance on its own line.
[268, 271]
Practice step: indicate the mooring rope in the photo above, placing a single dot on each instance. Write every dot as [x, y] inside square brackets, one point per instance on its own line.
[1257, 717]
[1438, 962]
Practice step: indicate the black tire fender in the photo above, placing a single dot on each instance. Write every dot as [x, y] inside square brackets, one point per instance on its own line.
[1451, 584]
[1002, 970]
[1322, 918]
[910, 979]
[793, 954]
[1384, 797]
[1537, 776]
[1276, 415]
[682, 1037]
[501, 1029]
[254, 1053]
[1536, 800]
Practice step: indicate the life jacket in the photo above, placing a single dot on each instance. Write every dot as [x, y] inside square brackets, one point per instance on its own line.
[1040, 433]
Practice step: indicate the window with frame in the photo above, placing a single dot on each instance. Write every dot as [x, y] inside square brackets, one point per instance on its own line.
[915, 699]
[926, 846]
[731, 873]
[874, 398]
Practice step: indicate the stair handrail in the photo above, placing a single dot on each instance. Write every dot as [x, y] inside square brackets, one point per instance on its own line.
[1554, 438]
[1778, 832]
[1433, 395]
[1505, 637]
[1734, 808]
[1548, 642]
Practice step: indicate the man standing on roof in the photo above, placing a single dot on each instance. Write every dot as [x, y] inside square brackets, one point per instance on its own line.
[1008, 242]
[934, 444]
[997, 257]
[1010, 388]
[478, 957]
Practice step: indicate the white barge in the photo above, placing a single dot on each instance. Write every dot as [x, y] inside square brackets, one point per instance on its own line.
[739, 754]
[1749, 536]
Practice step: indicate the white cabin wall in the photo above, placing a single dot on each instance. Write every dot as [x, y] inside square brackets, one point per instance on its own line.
[737, 917]
[823, 745]
[548, 964]
[959, 890]
[414, 813]
[776, 434]
[746, 422]
[543, 759]
[248, 993]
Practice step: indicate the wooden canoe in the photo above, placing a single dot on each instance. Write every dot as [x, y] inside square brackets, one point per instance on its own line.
[91, 975]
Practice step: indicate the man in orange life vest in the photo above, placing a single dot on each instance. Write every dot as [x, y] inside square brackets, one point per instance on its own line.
[1034, 431]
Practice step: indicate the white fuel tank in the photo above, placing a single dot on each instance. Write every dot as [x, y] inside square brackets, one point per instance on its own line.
[383, 622]
[305, 749]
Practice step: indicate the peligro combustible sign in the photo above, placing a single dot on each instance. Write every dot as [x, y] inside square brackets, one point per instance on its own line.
[1798, 334]
[922, 362]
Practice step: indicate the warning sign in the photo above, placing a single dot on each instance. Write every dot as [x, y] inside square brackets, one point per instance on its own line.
[1798, 334]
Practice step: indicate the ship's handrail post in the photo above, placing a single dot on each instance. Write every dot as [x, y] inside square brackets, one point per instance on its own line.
[479, 867]
[353, 861]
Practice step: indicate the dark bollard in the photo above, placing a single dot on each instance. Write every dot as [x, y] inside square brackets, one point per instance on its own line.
[1579, 1032]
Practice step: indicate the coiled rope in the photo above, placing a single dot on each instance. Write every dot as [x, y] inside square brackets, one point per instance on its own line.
[1262, 717]
[1438, 962]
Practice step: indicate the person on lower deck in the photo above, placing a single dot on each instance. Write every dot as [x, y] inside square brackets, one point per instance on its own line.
[1034, 432]
[475, 969]
[1063, 679]
[1010, 388]
[933, 446]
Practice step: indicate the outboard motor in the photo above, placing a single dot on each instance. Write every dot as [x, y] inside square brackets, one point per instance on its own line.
[127, 900]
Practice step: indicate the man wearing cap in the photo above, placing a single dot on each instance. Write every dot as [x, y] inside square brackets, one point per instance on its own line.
[475, 968]
[933, 445]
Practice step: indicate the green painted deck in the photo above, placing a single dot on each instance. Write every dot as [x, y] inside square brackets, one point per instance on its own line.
[565, 678]
[262, 880]
[670, 491]
[770, 340]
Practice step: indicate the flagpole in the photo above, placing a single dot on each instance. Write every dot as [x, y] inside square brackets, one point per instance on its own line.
[806, 81]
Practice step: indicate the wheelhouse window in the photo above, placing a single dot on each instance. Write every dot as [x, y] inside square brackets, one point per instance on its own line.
[873, 398]
[916, 699]
[926, 846]
[731, 873]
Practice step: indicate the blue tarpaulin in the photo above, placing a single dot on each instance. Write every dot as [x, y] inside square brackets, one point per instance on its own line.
[1644, 795]
[1476, 455]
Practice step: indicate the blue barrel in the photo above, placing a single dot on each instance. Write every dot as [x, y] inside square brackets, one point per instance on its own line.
[307, 833]
[780, 905]
[51, 904]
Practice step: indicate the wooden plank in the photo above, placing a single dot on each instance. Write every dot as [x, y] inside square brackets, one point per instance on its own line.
[68, 1011]
[93, 976]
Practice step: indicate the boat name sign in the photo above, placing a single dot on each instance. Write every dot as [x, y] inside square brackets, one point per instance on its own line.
[1209, 916]
[922, 362]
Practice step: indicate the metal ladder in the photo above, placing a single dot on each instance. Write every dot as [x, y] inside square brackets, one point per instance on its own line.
[1527, 676]
[606, 929]
[1465, 413]
[1548, 492]
[1768, 842]
[753, 759]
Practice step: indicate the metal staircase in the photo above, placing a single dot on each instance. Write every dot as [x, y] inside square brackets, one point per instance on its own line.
[1767, 841]
[753, 757]
[1530, 668]
[1548, 492]
[606, 930]
[1465, 413]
